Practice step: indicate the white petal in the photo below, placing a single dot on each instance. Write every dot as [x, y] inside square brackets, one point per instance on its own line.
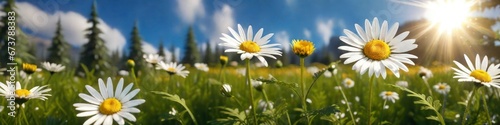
[89, 99]
[235, 35]
[118, 119]
[469, 63]
[478, 62]
[119, 88]
[241, 32]
[125, 91]
[131, 110]
[348, 48]
[129, 96]
[127, 115]
[100, 120]
[110, 87]
[484, 64]
[94, 93]
[249, 33]
[376, 28]
[399, 38]
[108, 120]
[383, 31]
[103, 89]
[259, 34]
[353, 58]
[262, 60]
[368, 29]
[462, 67]
[133, 103]
[392, 32]
[353, 37]
[88, 113]
[361, 32]
[92, 119]
[350, 42]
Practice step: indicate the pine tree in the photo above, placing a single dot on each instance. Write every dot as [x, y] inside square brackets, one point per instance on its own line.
[115, 61]
[136, 52]
[191, 54]
[174, 58]
[22, 45]
[209, 58]
[161, 50]
[95, 54]
[59, 50]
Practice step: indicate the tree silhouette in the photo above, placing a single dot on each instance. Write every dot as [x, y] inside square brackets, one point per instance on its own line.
[191, 54]
[136, 52]
[22, 45]
[59, 50]
[95, 54]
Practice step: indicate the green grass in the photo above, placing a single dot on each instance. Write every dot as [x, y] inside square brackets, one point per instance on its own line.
[202, 95]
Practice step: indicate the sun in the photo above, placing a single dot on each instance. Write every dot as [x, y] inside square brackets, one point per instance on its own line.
[448, 14]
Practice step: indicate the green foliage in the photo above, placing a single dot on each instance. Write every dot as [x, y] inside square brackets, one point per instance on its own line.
[209, 57]
[136, 52]
[191, 54]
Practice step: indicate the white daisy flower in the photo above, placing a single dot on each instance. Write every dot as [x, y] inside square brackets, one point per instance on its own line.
[348, 83]
[108, 104]
[488, 76]
[376, 48]
[262, 106]
[258, 85]
[173, 112]
[23, 95]
[226, 90]
[53, 67]
[173, 69]
[249, 46]
[123, 73]
[328, 74]
[152, 58]
[390, 96]
[201, 66]
[402, 84]
[425, 73]
[442, 88]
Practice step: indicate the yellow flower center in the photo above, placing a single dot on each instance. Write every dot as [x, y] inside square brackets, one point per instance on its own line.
[22, 92]
[388, 93]
[29, 68]
[110, 106]
[250, 46]
[303, 48]
[171, 70]
[377, 50]
[348, 83]
[441, 87]
[481, 75]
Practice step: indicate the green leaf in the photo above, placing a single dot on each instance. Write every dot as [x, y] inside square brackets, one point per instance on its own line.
[273, 80]
[427, 104]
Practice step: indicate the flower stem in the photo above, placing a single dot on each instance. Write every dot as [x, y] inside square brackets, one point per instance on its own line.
[370, 100]
[346, 101]
[303, 88]
[486, 106]
[251, 91]
[134, 77]
[267, 100]
[288, 118]
[190, 114]
[464, 115]
[444, 105]
[427, 85]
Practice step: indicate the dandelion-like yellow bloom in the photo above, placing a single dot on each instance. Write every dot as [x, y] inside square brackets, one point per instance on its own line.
[29, 68]
[223, 60]
[302, 48]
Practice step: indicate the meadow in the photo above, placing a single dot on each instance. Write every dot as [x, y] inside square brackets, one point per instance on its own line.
[202, 93]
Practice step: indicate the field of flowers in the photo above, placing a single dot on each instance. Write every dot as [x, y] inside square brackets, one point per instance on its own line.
[372, 86]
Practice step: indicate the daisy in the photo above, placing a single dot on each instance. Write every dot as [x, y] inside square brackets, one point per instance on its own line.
[201, 66]
[425, 73]
[258, 85]
[348, 83]
[389, 95]
[249, 46]
[402, 84]
[22, 95]
[108, 104]
[376, 48]
[152, 58]
[481, 73]
[442, 88]
[223, 60]
[173, 69]
[53, 67]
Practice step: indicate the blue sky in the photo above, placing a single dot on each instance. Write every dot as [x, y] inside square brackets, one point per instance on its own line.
[168, 20]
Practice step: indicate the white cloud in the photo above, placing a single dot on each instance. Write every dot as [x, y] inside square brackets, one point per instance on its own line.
[290, 2]
[73, 24]
[325, 29]
[307, 33]
[177, 53]
[284, 39]
[222, 19]
[189, 10]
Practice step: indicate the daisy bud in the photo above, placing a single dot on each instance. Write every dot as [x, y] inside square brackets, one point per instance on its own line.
[226, 90]
[332, 67]
[223, 60]
[279, 64]
[258, 85]
[130, 63]
[29, 68]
